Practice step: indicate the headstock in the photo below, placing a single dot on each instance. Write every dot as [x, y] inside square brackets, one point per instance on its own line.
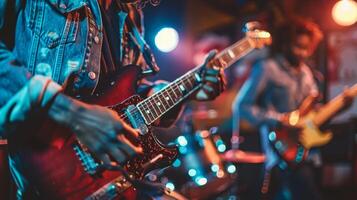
[257, 38]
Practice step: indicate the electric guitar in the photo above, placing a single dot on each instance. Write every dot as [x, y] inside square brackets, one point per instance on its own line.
[294, 147]
[62, 168]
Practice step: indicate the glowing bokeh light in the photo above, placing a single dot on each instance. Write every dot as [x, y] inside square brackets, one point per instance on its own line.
[192, 172]
[344, 12]
[170, 185]
[182, 140]
[214, 168]
[201, 181]
[220, 173]
[222, 148]
[183, 150]
[166, 39]
[177, 163]
[231, 169]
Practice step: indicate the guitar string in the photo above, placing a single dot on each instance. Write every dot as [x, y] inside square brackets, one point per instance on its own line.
[245, 48]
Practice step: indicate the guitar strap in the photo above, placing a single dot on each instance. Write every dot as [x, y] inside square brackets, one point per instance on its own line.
[138, 40]
[144, 48]
[266, 183]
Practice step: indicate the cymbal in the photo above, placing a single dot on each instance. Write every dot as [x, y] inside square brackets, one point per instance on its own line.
[240, 156]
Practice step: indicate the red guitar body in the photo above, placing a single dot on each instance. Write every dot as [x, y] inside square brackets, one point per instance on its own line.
[49, 162]
[287, 146]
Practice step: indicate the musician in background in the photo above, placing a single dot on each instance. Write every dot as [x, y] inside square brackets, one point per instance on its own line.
[276, 86]
[54, 56]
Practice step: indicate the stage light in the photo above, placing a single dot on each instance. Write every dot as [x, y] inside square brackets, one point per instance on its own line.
[219, 142]
[201, 181]
[177, 163]
[221, 148]
[220, 173]
[344, 12]
[192, 172]
[183, 150]
[170, 185]
[182, 140]
[272, 136]
[166, 39]
[231, 169]
[214, 168]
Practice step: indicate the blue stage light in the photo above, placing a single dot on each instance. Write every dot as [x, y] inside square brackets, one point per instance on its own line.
[177, 163]
[221, 148]
[183, 150]
[201, 181]
[182, 140]
[192, 172]
[231, 169]
[214, 168]
[170, 185]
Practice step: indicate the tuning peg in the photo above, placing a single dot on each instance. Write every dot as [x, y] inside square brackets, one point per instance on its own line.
[251, 26]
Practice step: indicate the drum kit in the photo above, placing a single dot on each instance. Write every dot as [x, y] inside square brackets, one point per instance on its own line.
[204, 168]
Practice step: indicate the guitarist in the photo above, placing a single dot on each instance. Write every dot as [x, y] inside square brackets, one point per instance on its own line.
[57, 54]
[276, 86]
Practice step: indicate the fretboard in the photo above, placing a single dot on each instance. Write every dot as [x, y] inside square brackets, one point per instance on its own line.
[332, 107]
[161, 102]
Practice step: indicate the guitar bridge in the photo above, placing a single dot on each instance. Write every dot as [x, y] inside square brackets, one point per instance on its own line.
[89, 164]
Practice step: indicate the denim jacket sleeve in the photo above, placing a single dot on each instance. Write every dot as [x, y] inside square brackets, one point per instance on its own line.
[246, 106]
[35, 96]
[13, 76]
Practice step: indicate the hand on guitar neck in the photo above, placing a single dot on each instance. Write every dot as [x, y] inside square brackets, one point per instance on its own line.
[213, 79]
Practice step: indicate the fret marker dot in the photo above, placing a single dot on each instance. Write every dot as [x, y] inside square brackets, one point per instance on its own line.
[147, 111]
[158, 103]
[182, 88]
[198, 78]
[231, 54]
[167, 98]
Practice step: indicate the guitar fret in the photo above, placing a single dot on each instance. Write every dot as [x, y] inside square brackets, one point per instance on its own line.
[158, 103]
[146, 111]
[173, 92]
[190, 81]
[162, 101]
[168, 98]
[182, 87]
[149, 111]
[227, 57]
[231, 53]
[153, 110]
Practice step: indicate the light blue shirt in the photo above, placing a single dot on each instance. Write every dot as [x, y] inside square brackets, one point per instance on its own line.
[272, 88]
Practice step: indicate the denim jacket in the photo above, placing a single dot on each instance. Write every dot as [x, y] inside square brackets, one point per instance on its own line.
[53, 38]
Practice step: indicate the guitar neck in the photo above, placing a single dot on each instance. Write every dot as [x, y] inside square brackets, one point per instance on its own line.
[334, 106]
[161, 102]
